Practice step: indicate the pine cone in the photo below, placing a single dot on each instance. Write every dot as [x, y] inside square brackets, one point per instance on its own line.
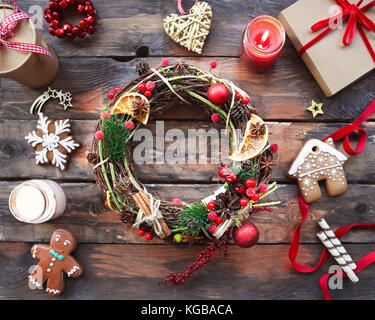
[227, 203]
[242, 113]
[92, 158]
[191, 224]
[142, 68]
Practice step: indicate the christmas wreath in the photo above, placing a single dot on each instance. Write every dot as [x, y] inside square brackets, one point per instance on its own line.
[217, 217]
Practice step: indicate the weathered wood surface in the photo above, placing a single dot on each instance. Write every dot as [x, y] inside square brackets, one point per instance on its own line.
[283, 93]
[121, 265]
[17, 156]
[94, 223]
[126, 26]
[133, 272]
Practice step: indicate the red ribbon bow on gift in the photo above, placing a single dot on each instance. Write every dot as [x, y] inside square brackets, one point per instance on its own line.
[8, 24]
[357, 20]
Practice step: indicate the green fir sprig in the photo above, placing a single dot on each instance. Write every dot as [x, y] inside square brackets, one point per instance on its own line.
[196, 214]
[242, 176]
[116, 137]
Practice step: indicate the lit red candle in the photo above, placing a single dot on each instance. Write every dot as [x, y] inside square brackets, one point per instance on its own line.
[262, 43]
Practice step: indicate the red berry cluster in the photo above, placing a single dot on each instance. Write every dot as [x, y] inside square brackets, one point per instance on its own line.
[146, 88]
[244, 100]
[147, 235]
[111, 94]
[203, 259]
[213, 217]
[54, 14]
[248, 191]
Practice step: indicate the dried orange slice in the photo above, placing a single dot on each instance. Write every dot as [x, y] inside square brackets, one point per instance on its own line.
[124, 105]
[252, 144]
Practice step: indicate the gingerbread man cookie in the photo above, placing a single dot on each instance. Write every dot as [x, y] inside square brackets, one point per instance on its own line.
[319, 161]
[55, 259]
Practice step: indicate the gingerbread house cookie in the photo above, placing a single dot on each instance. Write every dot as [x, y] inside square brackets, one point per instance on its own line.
[319, 161]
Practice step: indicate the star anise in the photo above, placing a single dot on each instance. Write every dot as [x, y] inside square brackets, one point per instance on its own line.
[181, 65]
[139, 107]
[266, 163]
[258, 129]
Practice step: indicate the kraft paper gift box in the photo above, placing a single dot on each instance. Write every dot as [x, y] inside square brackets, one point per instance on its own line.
[31, 69]
[333, 65]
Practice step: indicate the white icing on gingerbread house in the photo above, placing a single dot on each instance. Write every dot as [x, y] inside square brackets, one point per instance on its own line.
[319, 161]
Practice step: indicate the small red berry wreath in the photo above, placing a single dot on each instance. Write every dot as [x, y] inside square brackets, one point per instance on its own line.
[54, 15]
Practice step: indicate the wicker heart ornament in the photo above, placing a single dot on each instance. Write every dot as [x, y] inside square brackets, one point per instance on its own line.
[191, 30]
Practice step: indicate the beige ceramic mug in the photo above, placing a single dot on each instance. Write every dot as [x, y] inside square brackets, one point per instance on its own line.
[31, 69]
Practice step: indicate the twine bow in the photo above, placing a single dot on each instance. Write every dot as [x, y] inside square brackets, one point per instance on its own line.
[152, 219]
[8, 24]
[357, 20]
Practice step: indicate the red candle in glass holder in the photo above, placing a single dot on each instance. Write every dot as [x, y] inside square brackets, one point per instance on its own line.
[262, 43]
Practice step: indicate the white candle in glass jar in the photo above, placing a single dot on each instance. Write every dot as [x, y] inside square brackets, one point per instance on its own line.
[37, 201]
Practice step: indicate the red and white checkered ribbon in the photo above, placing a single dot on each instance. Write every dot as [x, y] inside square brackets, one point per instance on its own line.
[8, 24]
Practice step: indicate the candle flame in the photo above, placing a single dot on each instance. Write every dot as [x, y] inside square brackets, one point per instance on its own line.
[265, 36]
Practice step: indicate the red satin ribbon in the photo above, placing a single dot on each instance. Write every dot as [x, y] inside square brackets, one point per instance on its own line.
[304, 208]
[346, 131]
[357, 20]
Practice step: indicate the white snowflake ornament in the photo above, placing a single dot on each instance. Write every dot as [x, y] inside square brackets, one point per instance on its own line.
[52, 142]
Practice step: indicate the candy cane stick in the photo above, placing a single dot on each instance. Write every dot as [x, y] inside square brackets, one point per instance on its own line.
[335, 254]
[337, 243]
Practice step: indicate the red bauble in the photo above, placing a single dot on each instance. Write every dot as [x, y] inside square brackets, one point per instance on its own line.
[211, 205]
[141, 87]
[245, 100]
[274, 148]
[63, 4]
[250, 183]
[240, 189]
[233, 177]
[212, 216]
[218, 94]
[48, 17]
[246, 236]
[141, 232]
[215, 117]
[244, 202]
[263, 188]
[223, 172]
[212, 229]
[149, 236]
[219, 220]
[54, 24]
[255, 197]
[250, 192]
[110, 95]
[148, 93]
[90, 30]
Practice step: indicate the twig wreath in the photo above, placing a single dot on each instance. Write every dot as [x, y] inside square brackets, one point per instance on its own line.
[216, 218]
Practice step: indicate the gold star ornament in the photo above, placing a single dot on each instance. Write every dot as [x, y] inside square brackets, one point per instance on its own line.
[315, 108]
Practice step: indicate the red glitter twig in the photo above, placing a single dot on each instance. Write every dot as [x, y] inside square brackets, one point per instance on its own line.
[203, 259]
[259, 209]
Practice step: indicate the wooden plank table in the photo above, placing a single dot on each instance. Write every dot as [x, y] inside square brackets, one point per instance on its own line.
[121, 265]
